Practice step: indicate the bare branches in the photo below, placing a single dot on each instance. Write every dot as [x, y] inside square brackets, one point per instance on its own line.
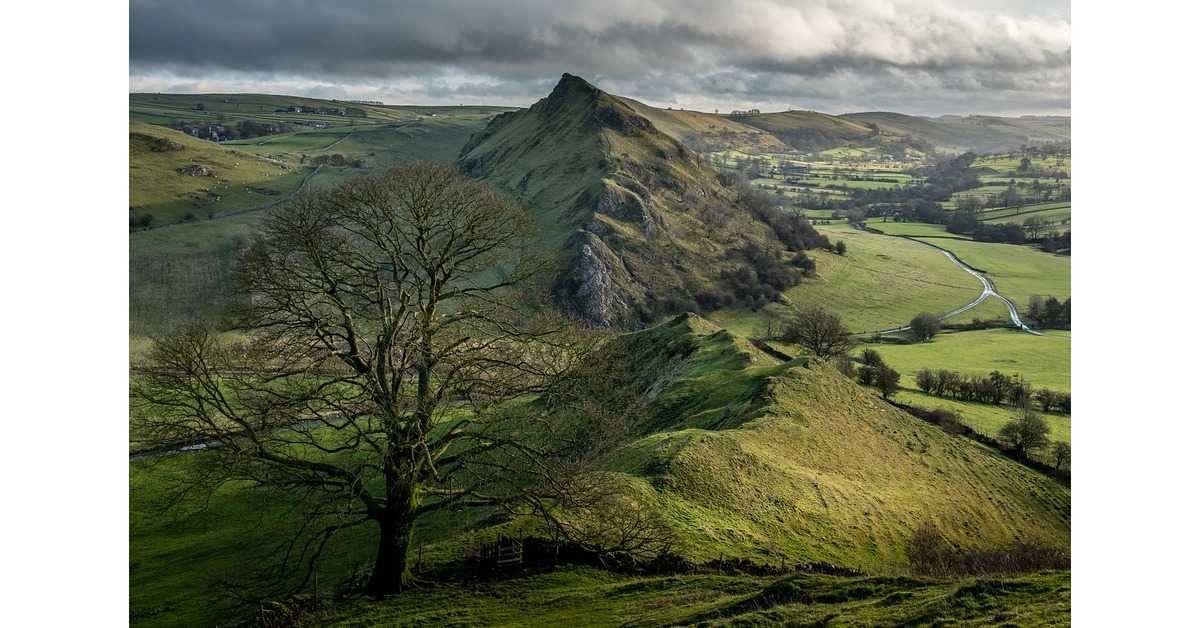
[379, 365]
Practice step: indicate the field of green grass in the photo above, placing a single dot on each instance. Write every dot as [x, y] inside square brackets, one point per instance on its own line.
[1055, 212]
[584, 597]
[1016, 271]
[882, 282]
[182, 271]
[1042, 361]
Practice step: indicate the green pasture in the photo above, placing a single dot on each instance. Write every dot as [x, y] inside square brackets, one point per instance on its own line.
[1043, 361]
[182, 271]
[913, 229]
[1016, 271]
[1009, 162]
[882, 282]
[1055, 212]
[984, 418]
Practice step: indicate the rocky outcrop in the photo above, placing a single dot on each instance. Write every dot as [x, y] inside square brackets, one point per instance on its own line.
[597, 298]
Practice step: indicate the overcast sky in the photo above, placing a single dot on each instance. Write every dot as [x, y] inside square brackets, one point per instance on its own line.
[921, 57]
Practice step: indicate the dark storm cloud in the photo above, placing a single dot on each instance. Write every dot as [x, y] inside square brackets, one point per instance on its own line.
[698, 53]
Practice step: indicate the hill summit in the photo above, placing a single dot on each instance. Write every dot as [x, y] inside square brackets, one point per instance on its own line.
[641, 225]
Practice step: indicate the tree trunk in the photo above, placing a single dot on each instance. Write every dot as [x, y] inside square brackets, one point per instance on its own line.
[391, 573]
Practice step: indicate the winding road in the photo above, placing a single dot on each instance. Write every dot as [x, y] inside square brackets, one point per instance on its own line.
[988, 291]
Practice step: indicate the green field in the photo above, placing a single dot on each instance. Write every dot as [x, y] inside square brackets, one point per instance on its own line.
[580, 596]
[1015, 271]
[1042, 361]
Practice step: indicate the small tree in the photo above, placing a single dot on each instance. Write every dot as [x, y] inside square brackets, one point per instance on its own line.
[888, 381]
[840, 247]
[1061, 452]
[819, 331]
[924, 326]
[926, 380]
[1027, 432]
[871, 357]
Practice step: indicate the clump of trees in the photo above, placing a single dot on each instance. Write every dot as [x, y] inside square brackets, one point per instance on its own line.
[1027, 432]
[338, 160]
[924, 326]
[1049, 312]
[874, 372]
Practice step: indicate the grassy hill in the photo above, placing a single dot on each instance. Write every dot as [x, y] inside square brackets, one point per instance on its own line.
[705, 133]
[796, 460]
[641, 225]
[174, 177]
[744, 457]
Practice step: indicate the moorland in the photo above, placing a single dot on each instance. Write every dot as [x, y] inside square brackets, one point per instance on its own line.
[756, 478]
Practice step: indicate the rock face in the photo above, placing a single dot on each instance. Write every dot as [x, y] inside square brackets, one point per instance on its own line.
[194, 170]
[627, 209]
[596, 298]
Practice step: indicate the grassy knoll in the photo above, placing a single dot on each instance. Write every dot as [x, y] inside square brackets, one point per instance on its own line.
[580, 596]
[796, 461]
[1016, 271]
[175, 177]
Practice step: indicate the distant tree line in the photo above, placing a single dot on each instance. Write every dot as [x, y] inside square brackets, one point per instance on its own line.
[338, 160]
[995, 388]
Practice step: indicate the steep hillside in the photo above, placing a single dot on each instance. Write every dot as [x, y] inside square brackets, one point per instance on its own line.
[641, 225]
[746, 456]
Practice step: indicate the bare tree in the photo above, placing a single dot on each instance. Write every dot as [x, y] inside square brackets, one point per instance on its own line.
[378, 353]
[819, 331]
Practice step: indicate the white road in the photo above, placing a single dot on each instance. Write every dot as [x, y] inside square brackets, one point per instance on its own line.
[988, 291]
